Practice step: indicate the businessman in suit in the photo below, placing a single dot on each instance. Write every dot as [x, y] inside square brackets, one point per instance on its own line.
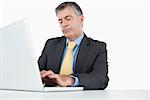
[73, 59]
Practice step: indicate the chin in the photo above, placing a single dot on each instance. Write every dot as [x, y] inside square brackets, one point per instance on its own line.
[68, 36]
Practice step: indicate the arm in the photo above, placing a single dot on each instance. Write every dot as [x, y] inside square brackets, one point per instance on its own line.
[42, 59]
[97, 78]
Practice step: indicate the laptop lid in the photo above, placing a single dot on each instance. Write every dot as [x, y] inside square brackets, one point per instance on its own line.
[18, 66]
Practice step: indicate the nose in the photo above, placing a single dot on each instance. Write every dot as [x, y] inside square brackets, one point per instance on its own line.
[64, 24]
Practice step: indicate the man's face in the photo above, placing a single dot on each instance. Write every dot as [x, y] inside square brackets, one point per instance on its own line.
[70, 23]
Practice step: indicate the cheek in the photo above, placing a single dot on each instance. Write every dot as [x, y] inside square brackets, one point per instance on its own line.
[60, 25]
[76, 24]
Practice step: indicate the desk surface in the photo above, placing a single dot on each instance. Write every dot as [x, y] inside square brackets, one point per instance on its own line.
[77, 95]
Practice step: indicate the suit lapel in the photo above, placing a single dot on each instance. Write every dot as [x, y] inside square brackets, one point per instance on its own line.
[59, 53]
[82, 54]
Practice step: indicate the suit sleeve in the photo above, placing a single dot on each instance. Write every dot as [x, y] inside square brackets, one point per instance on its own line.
[42, 59]
[97, 78]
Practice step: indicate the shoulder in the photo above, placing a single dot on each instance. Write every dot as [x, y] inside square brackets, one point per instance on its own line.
[55, 40]
[96, 43]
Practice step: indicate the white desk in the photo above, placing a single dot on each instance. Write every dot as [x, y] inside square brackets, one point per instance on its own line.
[77, 95]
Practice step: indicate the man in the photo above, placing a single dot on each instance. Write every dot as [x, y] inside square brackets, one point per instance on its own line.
[73, 59]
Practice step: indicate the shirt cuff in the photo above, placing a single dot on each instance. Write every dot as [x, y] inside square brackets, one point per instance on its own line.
[76, 81]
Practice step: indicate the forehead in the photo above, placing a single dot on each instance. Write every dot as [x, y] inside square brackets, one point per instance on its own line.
[68, 11]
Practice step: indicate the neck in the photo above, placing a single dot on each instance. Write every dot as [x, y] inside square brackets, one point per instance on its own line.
[74, 38]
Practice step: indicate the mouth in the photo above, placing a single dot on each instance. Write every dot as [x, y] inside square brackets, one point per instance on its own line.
[66, 30]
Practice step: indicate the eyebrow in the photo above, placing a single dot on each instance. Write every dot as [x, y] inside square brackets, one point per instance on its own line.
[65, 17]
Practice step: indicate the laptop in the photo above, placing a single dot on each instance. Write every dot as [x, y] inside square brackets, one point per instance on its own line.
[18, 67]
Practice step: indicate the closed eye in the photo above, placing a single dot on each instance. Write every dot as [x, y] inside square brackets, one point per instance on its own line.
[68, 18]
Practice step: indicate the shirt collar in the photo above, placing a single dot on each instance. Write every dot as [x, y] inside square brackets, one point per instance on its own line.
[78, 40]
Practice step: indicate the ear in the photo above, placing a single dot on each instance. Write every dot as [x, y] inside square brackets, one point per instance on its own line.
[81, 18]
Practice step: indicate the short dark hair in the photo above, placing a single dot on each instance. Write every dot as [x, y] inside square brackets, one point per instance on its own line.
[73, 5]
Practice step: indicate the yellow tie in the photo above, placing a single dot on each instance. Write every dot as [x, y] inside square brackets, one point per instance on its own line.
[66, 67]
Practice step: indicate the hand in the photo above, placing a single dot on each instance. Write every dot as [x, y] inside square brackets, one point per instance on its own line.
[62, 80]
[45, 73]
[46, 79]
[51, 78]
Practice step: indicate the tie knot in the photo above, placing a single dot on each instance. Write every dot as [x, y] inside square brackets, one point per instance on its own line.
[71, 45]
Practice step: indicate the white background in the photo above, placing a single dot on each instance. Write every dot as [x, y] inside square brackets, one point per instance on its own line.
[122, 24]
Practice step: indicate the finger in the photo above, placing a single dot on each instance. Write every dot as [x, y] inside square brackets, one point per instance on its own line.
[42, 73]
[50, 72]
[46, 73]
[54, 76]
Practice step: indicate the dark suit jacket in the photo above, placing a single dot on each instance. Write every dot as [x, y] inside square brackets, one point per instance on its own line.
[91, 64]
